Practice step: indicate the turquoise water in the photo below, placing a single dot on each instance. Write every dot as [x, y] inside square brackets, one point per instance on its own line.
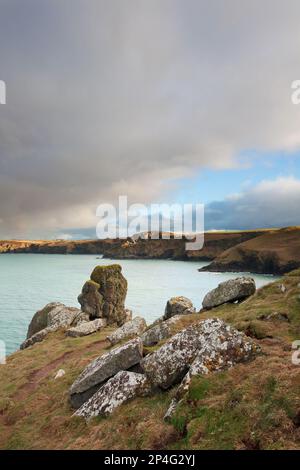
[29, 281]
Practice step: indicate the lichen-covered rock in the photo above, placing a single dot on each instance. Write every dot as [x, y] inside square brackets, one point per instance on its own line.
[37, 337]
[86, 328]
[156, 333]
[130, 329]
[52, 314]
[119, 389]
[221, 349]
[209, 344]
[104, 295]
[91, 300]
[178, 306]
[230, 291]
[159, 331]
[103, 368]
[170, 362]
[51, 318]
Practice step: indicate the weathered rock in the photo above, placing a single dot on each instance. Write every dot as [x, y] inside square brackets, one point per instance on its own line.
[86, 328]
[119, 389]
[37, 337]
[128, 315]
[51, 318]
[201, 347]
[178, 306]
[221, 349]
[104, 295]
[229, 291]
[159, 331]
[103, 368]
[52, 314]
[91, 300]
[156, 334]
[130, 329]
[171, 361]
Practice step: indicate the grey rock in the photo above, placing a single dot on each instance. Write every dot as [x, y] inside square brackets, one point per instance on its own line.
[201, 347]
[86, 328]
[37, 337]
[53, 314]
[103, 368]
[116, 391]
[130, 329]
[159, 331]
[178, 306]
[229, 291]
[221, 349]
[52, 317]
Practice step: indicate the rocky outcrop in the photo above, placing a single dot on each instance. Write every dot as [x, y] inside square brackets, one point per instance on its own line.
[86, 328]
[229, 291]
[222, 346]
[130, 329]
[103, 296]
[178, 306]
[52, 317]
[103, 368]
[210, 341]
[116, 391]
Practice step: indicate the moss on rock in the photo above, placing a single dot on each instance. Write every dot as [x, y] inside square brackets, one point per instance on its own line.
[104, 295]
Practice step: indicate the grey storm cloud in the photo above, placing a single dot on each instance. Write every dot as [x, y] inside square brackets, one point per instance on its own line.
[126, 96]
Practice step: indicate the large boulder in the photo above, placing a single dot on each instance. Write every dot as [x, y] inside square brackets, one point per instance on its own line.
[52, 317]
[86, 328]
[178, 306]
[53, 314]
[210, 341]
[103, 368]
[221, 349]
[103, 296]
[130, 329]
[230, 291]
[119, 389]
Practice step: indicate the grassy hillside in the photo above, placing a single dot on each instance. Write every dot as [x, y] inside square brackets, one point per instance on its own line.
[273, 252]
[251, 406]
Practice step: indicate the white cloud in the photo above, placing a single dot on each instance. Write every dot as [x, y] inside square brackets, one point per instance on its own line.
[271, 203]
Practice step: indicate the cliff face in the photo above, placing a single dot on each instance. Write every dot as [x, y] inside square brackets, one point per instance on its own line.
[214, 244]
[55, 246]
[273, 252]
[265, 251]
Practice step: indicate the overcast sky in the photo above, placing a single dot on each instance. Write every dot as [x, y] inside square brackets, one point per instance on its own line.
[161, 100]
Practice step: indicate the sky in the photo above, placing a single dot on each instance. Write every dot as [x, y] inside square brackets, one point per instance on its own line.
[165, 101]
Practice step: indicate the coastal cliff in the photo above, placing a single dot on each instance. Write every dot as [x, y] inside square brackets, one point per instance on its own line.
[272, 252]
[261, 251]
